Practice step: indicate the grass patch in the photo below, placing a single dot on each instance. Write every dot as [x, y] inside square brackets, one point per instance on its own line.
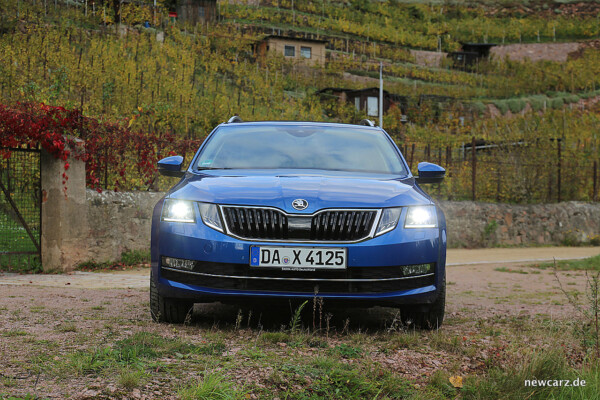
[275, 337]
[509, 383]
[590, 264]
[13, 333]
[134, 258]
[67, 327]
[347, 351]
[137, 351]
[130, 379]
[511, 270]
[335, 380]
[211, 386]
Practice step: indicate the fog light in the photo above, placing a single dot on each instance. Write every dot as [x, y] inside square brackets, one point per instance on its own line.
[178, 263]
[417, 269]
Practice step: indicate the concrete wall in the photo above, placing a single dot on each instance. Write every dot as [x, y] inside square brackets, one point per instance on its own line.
[64, 212]
[121, 221]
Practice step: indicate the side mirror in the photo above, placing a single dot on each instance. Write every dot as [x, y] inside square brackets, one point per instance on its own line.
[430, 173]
[171, 166]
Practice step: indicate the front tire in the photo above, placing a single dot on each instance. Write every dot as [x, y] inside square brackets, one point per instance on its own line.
[430, 319]
[168, 310]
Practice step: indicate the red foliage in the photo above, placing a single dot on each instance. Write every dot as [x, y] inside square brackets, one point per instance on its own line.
[109, 148]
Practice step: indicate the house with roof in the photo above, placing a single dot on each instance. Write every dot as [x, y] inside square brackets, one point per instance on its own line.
[303, 50]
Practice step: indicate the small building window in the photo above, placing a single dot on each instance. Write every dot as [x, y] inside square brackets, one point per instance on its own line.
[201, 12]
[305, 52]
[372, 109]
[289, 51]
[357, 103]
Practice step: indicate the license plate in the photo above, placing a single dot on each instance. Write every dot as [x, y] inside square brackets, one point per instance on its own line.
[298, 258]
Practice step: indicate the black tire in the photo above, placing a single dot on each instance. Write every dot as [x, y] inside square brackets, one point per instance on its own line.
[432, 318]
[168, 310]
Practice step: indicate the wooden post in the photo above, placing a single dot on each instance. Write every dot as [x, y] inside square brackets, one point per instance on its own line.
[412, 154]
[473, 169]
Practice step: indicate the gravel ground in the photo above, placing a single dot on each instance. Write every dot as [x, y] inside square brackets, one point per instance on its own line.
[52, 328]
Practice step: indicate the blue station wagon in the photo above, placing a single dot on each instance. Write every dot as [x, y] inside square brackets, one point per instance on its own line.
[274, 211]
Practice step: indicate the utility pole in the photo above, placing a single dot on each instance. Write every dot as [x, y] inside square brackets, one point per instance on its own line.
[381, 94]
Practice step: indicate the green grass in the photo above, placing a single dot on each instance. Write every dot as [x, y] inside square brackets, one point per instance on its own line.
[129, 379]
[275, 337]
[131, 258]
[589, 264]
[347, 351]
[137, 351]
[509, 383]
[212, 386]
[511, 270]
[13, 333]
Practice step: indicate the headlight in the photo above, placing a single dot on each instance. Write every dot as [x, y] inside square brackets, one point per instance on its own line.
[388, 221]
[210, 216]
[178, 211]
[421, 217]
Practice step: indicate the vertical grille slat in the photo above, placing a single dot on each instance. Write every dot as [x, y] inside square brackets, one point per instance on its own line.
[327, 225]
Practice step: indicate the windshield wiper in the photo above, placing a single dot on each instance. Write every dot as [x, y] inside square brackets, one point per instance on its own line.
[211, 168]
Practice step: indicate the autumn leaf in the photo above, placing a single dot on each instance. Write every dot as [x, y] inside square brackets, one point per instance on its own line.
[456, 381]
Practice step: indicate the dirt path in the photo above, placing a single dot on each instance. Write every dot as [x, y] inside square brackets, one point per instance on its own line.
[483, 260]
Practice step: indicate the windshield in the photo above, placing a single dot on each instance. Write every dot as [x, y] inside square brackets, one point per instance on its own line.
[337, 148]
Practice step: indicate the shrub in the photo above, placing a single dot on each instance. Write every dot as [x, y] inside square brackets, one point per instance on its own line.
[557, 103]
[501, 105]
[537, 102]
[572, 98]
[478, 107]
[516, 105]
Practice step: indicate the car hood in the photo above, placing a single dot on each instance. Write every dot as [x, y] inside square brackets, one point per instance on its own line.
[281, 189]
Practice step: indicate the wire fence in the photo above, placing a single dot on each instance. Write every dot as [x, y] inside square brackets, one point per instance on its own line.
[544, 171]
[20, 209]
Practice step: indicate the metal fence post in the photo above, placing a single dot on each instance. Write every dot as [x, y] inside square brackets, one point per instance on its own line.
[558, 171]
[473, 168]
[595, 183]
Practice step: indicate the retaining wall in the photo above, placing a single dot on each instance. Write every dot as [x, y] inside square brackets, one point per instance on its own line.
[121, 221]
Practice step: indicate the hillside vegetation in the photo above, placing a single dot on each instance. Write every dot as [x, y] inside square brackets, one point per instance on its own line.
[199, 76]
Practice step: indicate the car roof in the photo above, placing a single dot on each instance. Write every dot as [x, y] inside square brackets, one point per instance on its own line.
[297, 123]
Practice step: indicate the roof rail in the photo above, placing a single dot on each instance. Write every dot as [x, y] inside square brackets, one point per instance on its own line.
[234, 119]
[366, 122]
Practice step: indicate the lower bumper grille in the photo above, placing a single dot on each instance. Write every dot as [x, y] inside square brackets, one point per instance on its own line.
[358, 280]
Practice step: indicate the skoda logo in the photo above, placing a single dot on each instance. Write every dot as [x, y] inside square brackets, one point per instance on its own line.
[300, 204]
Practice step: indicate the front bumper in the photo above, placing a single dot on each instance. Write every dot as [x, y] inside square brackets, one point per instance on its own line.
[222, 271]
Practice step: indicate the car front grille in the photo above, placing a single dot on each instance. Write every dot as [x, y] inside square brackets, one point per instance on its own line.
[359, 280]
[272, 224]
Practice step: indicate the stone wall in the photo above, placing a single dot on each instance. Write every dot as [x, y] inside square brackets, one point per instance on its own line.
[121, 221]
[472, 224]
[118, 222]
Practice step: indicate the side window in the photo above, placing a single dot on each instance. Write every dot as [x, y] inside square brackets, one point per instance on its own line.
[289, 51]
[305, 52]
